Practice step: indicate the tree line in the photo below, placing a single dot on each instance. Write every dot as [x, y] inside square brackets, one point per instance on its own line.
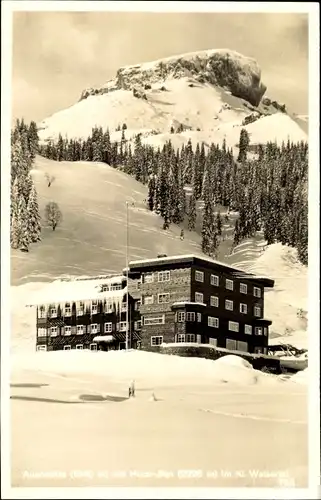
[25, 226]
[268, 189]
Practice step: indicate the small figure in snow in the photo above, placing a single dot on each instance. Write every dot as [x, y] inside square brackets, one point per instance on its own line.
[131, 389]
[182, 234]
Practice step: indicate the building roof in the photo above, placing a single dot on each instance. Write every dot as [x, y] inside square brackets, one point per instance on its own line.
[163, 262]
[62, 291]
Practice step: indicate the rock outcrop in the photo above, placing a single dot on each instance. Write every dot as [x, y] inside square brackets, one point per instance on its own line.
[234, 72]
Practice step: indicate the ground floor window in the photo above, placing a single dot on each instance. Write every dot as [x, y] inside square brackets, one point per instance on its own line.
[242, 346]
[258, 350]
[79, 346]
[231, 344]
[182, 337]
[213, 342]
[93, 347]
[41, 347]
[67, 347]
[156, 340]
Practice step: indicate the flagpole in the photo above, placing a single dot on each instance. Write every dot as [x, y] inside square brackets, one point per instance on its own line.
[127, 272]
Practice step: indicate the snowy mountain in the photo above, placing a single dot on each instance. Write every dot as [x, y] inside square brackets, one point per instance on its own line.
[206, 96]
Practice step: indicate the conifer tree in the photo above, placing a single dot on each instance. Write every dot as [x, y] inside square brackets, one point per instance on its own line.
[33, 216]
[192, 212]
[243, 145]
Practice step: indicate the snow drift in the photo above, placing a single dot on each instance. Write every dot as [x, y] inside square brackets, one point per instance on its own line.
[144, 367]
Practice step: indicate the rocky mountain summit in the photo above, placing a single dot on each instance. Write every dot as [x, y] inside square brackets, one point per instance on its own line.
[228, 69]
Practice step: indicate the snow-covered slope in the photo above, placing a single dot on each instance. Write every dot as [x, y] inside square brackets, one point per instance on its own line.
[70, 414]
[287, 303]
[209, 93]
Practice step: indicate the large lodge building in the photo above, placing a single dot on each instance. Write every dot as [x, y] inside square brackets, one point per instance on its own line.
[170, 300]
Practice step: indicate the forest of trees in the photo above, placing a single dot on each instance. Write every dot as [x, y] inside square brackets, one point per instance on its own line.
[268, 189]
[25, 227]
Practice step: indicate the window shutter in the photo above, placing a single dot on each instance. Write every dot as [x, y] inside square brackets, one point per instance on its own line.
[88, 328]
[73, 330]
[98, 328]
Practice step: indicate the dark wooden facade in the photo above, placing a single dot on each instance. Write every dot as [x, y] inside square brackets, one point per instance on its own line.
[172, 300]
[75, 327]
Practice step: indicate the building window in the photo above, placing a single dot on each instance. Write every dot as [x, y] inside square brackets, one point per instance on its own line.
[180, 317]
[215, 280]
[124, 307]
[42, 312]
[138, 325]
[258, 350]
[199, 317]
[148, 278]
[80, 329]
[108, 327]
[156, 320]
[94, 307]
[138, 284]
[257, 292]
[148, 300]
[156, 340]
[214, 301]
[137, 305]
[243, 308]
[53, 312]
[42, 332]
[248, 329]
[242, 346]
[229, 285]
[163, 298]
[233, 326]
[94, 328]
[229, 305]
[54, 331]
[213, 322]
[67, 347]
[258, 330]
[41, 347]
[93, 347]
[199, 276]
[190, 316]
[231, 344]
[67, 330]
[105, 288]
[164, 276]
[80, 310]
[67, 310]
[243, 288]
[199, 297]
[109, 307]
[213, 342]
[118, 286]
[180, 337]
[123, 326]
[190, 337]
[257, 311]
[79, 346]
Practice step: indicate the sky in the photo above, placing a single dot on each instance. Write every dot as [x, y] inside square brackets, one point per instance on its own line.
[58, 54]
